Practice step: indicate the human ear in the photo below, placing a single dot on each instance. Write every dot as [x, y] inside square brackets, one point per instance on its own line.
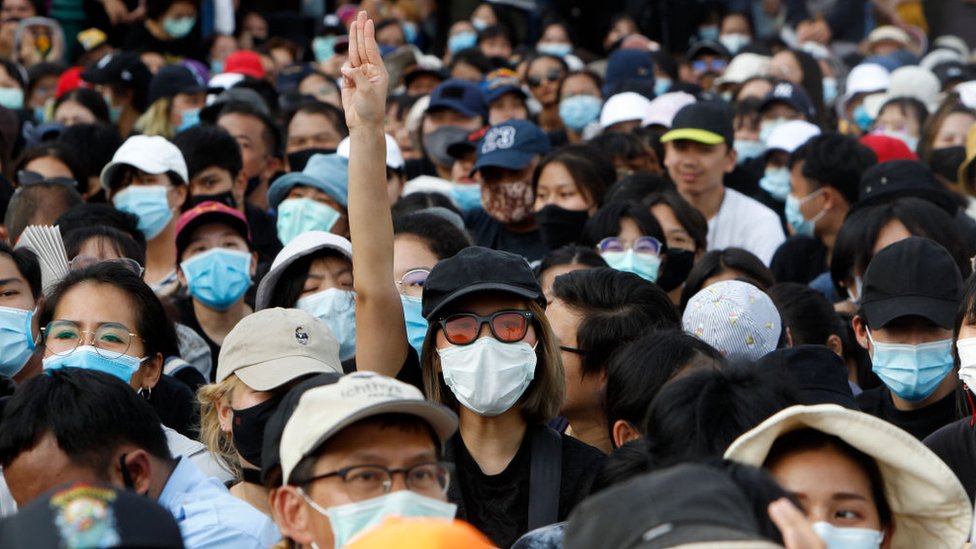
[623, 432]
[291, 513]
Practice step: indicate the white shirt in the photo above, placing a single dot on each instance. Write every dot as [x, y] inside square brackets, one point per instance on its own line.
[742, 222]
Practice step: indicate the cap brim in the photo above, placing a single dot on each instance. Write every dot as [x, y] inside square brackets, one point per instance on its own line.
[143, 164]
[272, 374]
[441, 419]
[453, 106]
[510, 160]
[940, 311]
[693, 134]
[237, 223]
[481, 287]
[262, 299]
[279, 189]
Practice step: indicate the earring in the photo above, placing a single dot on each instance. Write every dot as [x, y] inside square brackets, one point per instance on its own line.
[145, 392]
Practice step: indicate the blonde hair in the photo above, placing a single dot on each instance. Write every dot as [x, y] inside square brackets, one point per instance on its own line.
[155, 121]
[219, 443]
[544, 396]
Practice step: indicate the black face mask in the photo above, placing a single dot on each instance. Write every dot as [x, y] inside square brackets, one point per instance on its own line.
[946, 161]
[226, 198]
[559, 226]
[248, 429]
[676, 269]
[298, 159]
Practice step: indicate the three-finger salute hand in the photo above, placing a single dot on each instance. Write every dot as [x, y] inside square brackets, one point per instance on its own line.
[364, 77]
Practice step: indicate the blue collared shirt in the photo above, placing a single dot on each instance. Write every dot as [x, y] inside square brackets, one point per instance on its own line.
[209, 516]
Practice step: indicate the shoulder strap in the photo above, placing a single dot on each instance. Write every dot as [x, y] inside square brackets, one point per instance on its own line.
[544, 477]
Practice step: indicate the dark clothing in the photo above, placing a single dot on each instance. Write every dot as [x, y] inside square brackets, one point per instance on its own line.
[846, 18]
[800, 259]
[491, 234]
[141, 40]
[188, 318]
[498, 505]
[920, 423]
[415, 167]
[955, 444]
[175, 405]
[264, 234]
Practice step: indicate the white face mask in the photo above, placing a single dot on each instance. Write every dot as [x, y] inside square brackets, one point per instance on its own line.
[488, 376]
[848, 538]
[967, 361]
[352, 519]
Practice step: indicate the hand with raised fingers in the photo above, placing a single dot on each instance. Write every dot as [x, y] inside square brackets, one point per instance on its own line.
[364, 77]
[796, 529]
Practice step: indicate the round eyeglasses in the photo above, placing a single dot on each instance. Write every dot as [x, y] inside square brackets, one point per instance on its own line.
[412, 282]
[110, 340]
[508, 326]
[369, 481]
[642, 245]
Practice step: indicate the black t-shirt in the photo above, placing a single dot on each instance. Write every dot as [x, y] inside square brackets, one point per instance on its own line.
[188, 318]
[498, 505]
[491, 234]
[140, 39]
[956, 445]
[175, 405]
[920, 423]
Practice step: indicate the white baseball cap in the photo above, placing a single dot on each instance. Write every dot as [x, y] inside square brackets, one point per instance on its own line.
[394, 158]
[324, 411]
[301, 246]
[908, 81]
[743, 67]
[788, 136]
[662, 109]
[866, 78]
[736, 318]
[623, 107]
[148, 153]
[272, 347]
[930, 507]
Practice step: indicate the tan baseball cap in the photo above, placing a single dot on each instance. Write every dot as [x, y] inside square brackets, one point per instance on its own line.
[324, 411]
[930, 507]
[272, 347]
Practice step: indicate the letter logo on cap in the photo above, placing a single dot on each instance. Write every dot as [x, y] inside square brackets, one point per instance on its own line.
[783, 89]
[502, 137]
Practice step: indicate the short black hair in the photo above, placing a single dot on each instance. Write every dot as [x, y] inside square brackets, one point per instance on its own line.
[569, 254]
[321, 108]
[38, 199]
[89, 413]
[806, 312]
[62, 151]
[88, 98]
[836, 160]
[415, 202]
[616, 308]
[591, 170]
[14, 71]
[637, 186]
[123, 244]
[441, 236]
[626, 146]
[606, 223]
[638, 371]
[27, 265]
[291, 283]
[270, 134]
[99, 143]
[473, 57]
[751, 269]
[496, 31]
[156, 8]
[152, 324]
[204, 146]
[90, 215]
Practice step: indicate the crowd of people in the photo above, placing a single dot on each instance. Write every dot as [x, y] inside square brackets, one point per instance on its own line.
[519, 273]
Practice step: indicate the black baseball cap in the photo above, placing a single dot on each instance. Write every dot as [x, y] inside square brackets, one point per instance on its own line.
[476, 269]
[174, 79]
[119, 68]
[819, 375]
[685, 504]
[893, 179]
[708, 122]
[83, 514]
[790, 94]
[912, 277]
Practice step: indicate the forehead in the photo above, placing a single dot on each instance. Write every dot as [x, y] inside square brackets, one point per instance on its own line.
[96, 303]
[214, 229]
[9, 270]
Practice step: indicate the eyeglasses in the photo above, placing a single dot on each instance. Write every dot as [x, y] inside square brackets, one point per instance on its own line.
[507, 326]
[27, 177]
[554, 75]
[412, 282]
[111, 340]
[370, 481]
[85, 261]
[717, 65]
[643, 245]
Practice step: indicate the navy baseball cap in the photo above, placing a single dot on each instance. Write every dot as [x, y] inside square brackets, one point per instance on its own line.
[628, 67]
[458, 95]
[792, 95]
[500, 82]
[511, 145]
[174, 79]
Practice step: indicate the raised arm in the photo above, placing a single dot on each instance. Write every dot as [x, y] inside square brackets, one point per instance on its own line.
[381, 335]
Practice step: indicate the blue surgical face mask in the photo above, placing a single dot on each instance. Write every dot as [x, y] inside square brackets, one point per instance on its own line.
[776, 181]
[86, 357]
[150, 203]
[913, 372]
[40, 114]
[479, 24]
[299, 215]
[800, 224]
[837, 537]
[466, 195]
[16, 340]
[734, 42]
[12, 98]
[351, 519]
[216, 66]
[462, 41]
[829, 90]
[323, 47]
[189, 118]
[747, 149]
[662, 86]
[766, 128]
[114, 113]
[218, 277]
[645, 266]
[416, 324]
[708, 32]
[579, 111]
[410, 32]
[862, 118]
[556, 49]
[387, 49]
[910, 141]
[179, 27]
[337, 308]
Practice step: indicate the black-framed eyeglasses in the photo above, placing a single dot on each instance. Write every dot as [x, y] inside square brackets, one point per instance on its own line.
[412, 282]
[110, 340]
[370, 481]
[508, 326]
[27, 177]
[553, 75]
